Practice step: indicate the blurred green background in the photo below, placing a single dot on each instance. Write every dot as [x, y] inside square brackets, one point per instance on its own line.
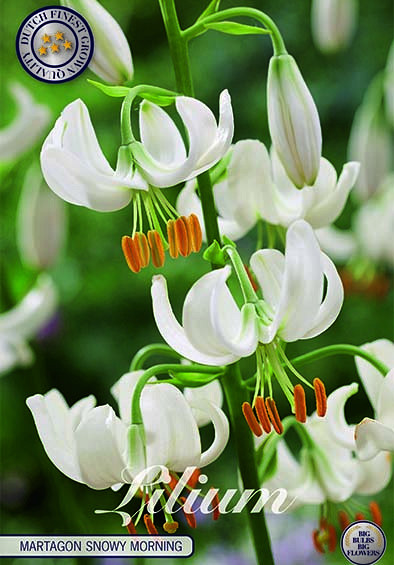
[105, 312]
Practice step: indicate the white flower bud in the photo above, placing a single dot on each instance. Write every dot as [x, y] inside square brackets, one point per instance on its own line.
[333, 23]
[111, 59]
[41, 223]
[293, 121]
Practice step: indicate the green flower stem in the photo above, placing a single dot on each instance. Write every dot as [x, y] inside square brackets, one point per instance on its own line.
[243, 438]
[178, 45]
[148, 351]
[240, 12]
[340, 349]
[232, 385]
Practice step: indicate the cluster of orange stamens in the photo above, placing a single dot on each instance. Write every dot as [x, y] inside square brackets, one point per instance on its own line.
[171, 526]
[268, 415]
[325, 538]
[184, 237]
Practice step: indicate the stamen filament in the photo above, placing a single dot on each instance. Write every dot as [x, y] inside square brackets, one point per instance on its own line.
[251, 419]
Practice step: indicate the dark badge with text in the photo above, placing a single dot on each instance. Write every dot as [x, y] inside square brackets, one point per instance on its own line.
[54, 44]
[363, 542]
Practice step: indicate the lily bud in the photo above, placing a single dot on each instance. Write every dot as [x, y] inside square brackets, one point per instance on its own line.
[293, 121]
[333, 23]
[41, 223]
[111, 60]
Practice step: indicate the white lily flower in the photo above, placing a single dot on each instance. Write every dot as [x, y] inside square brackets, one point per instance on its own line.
[257, 186]
[41, 222]
[211, 392]
[293, 121]
[23, 322]
[333, 23]
[26, 128]
[76, 169]
[373, 225]
[111, 59]
[216, 332]
[376, 435]
[370, 143]
[161, 154]
[327, 469]
[90, 445]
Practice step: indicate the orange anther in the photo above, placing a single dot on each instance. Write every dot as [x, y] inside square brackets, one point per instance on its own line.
[376, 513]
[274, 415]
[359, 516]
[251, 419]
[194, 478]
[262, 414]
[156, 245]
[215, 506]
[173, 249]
[151, 528]
[189, 234]
[343, 519]
[188, 513]
[316, 541]
[131, 528]
[181, 237]
[321, 397]
[170, 527]
[195, 232]
[131, 253]
[332, 538]
[143, 248]
[300, 403]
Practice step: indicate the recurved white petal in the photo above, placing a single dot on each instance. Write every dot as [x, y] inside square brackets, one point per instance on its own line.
[372, 437]
[341, 431]
[372, 379]
[53, 422]
[385, 405]
[33, 312]
[98, 450]
[211, 392]
[174, 334]
[221, 428]
[333, 300]
[374, 474]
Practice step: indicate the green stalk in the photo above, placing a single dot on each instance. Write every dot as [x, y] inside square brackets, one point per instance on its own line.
[244, 445]
[232, 385]
[340, 349]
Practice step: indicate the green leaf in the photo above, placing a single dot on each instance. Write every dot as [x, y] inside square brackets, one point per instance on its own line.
[215, 255]
[212, 7]
[115, 91]
[234, 28]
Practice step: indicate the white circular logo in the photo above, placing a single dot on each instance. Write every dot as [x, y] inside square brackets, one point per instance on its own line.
[363, 543]
[54, 44]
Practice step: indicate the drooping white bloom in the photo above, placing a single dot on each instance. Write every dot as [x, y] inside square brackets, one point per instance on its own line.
[21, 323]
[215, 331]
[327, 469]
[256, 186]
[373, 225]
[161, 154]
[76, 169]
[90, 444]
[111, 59]
[41, 222]
[370, 142]
[211, 392]
[333, 23]
[293, 121]
[376, 435]
[26, 128]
